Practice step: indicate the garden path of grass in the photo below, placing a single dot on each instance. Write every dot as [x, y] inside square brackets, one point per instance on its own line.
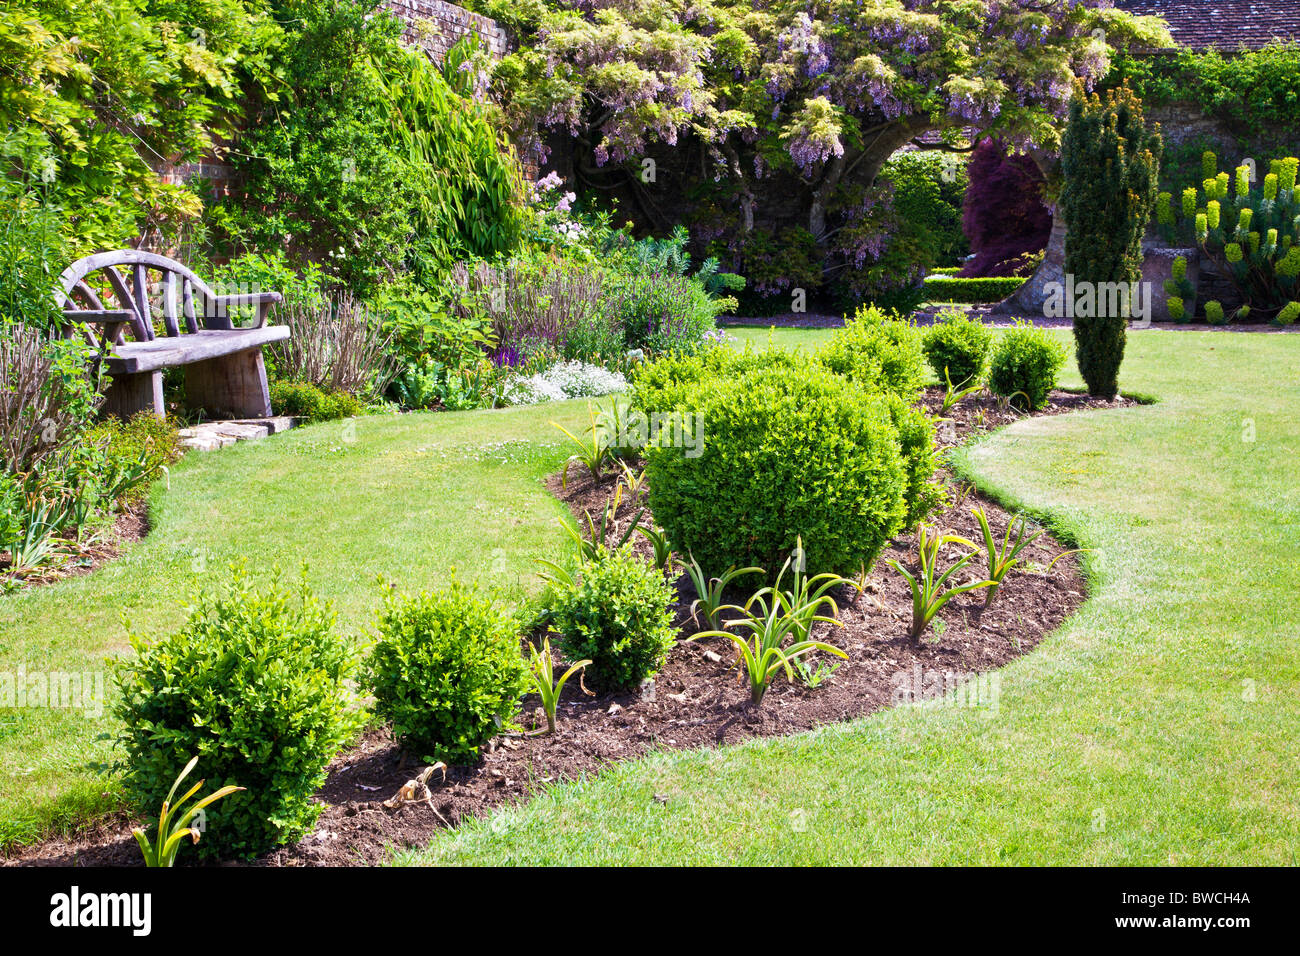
[1159, 725]
[404, 496]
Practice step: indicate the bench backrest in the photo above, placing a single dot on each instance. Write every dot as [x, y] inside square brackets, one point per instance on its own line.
[82, 304]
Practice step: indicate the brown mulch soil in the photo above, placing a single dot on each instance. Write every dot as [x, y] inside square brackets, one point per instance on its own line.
[130, 525]
[698, 699]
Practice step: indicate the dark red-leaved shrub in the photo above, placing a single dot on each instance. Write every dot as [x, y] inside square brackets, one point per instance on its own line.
[1003, 214]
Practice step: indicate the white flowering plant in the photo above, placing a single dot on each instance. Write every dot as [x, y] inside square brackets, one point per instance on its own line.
[563, 380]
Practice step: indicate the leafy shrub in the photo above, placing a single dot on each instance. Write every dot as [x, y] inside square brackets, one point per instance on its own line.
[916, 442]
[254, 685]
[663, 312]
[879, 352]
[446, 671]
[974, 291]
[306, 401]
[144, 440]
[1024, 365]
[960, 345]
[1214, 313]
[365, 158]
[665, 383]
[786, 453]
[618, 617]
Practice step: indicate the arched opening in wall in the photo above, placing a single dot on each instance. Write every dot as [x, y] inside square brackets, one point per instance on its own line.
[1005, 216]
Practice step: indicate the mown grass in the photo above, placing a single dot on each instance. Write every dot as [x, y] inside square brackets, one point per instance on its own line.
[407, 497]
[1158, 725]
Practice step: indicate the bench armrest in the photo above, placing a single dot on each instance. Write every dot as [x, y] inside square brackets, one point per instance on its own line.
[223, 303]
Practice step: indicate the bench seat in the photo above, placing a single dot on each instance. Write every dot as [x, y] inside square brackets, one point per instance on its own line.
[131, 358]
[225, 376]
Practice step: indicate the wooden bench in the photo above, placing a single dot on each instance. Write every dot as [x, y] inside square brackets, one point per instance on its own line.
[224, 376]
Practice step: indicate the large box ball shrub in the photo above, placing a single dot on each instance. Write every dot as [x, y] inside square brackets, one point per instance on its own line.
[255, 685]
[1024, 366]
[447, 671]
[960, 345]
[617, 616]
[665, 383]
[879, 352]
[785, 453]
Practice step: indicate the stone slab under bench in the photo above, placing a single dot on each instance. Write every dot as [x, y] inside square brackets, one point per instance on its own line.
[210, 436]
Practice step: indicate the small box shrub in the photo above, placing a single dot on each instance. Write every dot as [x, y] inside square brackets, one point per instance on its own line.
[788, 453]
[1024, 366]
[306, 401]
[617, 616]
[878, 351]
[959, 344]
[447, 671]
[253, 685]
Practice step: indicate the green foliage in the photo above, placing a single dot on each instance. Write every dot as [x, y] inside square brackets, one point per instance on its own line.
[974, 291]
[1111, 163]
[173, 825]
[663, 313]
[366, 159]
[665, 383]
[787, 453]
[1024, 365]
[144, 442]
[1252, 91]
[595, 451]
[957, 348]
[1002, 558]
[1214, 313]
[779, 624]
[254, 685]
[32, 254]
[306, 401]
[878, 351]
[619, 617]
[95, 93]
[929, 186]
[549, 688]
[446, 671]
[710, 591]
[928, 592]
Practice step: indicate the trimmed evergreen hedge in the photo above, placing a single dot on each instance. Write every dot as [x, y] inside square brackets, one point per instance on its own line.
[945, 289]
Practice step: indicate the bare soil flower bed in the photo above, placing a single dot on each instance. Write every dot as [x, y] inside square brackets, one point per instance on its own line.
[131, 524]
[698, 699]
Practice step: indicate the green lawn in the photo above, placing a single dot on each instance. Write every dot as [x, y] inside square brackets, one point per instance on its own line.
[408, 497]
[1159, 725]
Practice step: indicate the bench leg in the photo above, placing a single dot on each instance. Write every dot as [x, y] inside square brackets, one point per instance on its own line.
[232, 386]
[128, 395]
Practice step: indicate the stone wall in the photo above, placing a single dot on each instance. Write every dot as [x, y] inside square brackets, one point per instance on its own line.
[438, 26]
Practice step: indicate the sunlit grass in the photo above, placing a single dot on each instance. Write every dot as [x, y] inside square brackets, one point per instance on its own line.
[1158, 725]
[407, 497]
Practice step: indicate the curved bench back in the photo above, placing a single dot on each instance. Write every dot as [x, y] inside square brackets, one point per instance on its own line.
[81, 303]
